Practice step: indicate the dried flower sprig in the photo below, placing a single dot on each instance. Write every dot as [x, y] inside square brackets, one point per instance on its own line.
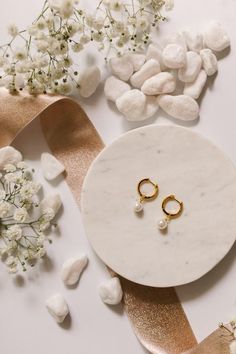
[23, 218]
[40, 57]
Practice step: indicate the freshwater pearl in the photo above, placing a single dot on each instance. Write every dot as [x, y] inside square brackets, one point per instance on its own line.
[162, 224]
[138, 207]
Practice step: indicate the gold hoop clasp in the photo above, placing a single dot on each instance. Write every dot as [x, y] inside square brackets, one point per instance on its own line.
[144, 197]
[163, 223]
[178, 212]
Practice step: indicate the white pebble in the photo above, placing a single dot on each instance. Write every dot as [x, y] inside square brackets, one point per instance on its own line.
[192, 67]
[131, 104]
[193, 40]
[110, 291]
[121, 67]
[232, 347]
[154, 51]
[181, 107]
[175, 38]
[161, 83]
[89, 81]
[57, 307]
[72, 269]
[9, 155]
[137, 60]
[114, 88]
[174, 56]
[151, 107]
[194, 89]
[51, 202]
[209, 61]
[150, 68]
[51, 167]
[215, 37]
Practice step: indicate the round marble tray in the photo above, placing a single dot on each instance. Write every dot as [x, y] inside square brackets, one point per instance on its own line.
[182, 163]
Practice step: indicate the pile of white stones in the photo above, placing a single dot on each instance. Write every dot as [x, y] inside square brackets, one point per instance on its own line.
[141, 83]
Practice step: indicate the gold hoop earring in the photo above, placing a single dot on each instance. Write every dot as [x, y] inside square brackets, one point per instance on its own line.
[144, 197]
[163, 223]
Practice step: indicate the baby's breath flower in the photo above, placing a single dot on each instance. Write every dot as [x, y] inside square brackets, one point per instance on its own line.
[169, 4]
[5, 209]
[14, 233]
[77, 47]
[20, 215]
[116, 5]
[12, 30]
[23, 241]
[43, 63]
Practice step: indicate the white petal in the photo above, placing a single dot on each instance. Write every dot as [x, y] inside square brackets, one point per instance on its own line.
[72, 269]
[51, 167]
[110, 291]
[57, 307]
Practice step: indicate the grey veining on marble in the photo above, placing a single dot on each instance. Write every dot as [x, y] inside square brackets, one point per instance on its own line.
[183, 163]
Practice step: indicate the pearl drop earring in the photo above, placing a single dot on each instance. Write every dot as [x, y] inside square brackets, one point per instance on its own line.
[143, 197]
[163, 223]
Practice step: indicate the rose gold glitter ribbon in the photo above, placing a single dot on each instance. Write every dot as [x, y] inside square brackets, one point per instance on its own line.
[156, 314]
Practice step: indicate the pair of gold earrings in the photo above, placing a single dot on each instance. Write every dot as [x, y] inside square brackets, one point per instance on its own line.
[162, 223]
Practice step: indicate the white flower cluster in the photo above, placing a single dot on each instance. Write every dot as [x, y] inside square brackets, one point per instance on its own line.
[43, 62]
[23, 218]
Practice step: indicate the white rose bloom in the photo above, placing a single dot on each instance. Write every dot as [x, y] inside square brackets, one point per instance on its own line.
[12, 30]
[14, 233]
[20, 215]
[5, 209]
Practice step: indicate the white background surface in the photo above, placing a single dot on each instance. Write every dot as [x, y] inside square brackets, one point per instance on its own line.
[25, 326]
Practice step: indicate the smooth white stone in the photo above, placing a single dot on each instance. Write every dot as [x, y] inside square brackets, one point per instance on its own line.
[194, 89]
[158, 84]
[193, 40]
[138, 206]
[137, 60]
[110, 291]
[72, 269]
[177, 158]
[51, 167]
[9, 155]
[150, 68]
[215, 37]
[181, 107]
[131, 104]
[114, 88]
[151, 107]
[162, 224]
[121, 67]
[209, 61]
[174, 56]
[192, 67]
[154, 51]
[232, 347]
[51, 202]
[174, 38]
[89, 80]
[57, 307]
